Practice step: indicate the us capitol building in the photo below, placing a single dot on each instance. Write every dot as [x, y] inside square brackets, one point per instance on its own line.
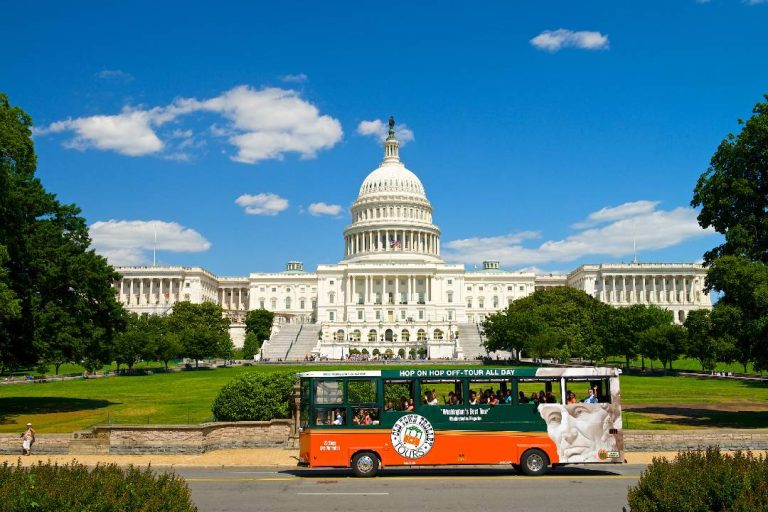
[393, 292]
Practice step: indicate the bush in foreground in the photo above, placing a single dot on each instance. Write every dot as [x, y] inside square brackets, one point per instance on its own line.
[703, 481]
[255, 397]
[104, 488]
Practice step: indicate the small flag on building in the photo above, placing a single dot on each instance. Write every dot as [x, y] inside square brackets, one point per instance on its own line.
[395, 244]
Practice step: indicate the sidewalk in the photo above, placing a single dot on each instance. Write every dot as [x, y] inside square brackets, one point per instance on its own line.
[262, 457]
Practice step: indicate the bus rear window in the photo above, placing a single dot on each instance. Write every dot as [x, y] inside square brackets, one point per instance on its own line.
[329, 392]
[361, 391]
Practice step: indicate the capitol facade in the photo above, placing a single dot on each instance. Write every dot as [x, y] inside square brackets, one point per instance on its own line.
[392, 293]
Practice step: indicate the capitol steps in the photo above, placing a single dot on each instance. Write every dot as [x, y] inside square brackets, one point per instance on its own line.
[305, 343]
[470, 341]
[277, 346]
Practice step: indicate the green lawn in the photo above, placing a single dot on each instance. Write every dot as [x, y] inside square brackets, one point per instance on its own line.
[682, 364]
[185, 397]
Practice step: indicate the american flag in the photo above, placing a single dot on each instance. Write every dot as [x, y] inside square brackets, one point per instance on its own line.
[395, 244]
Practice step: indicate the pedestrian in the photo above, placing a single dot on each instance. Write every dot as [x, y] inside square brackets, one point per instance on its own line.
[28, 439]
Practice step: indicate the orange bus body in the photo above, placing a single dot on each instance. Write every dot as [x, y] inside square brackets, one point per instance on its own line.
[335, 448]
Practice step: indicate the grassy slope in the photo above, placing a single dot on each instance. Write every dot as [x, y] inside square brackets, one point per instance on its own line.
[185, 397]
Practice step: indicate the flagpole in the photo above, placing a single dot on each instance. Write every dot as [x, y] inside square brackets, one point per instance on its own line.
[154, 247]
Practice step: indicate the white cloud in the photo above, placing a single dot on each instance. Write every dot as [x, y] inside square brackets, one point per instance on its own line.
[129, 242]
[129, 133]
[554, 40]
[755, 2]
[262, 124]
[297, 78]
[623, 211]
[379, 129]
[262, 204]
[324, 209]
[630, 223]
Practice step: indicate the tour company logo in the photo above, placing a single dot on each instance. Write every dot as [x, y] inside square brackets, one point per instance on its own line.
[413, 436]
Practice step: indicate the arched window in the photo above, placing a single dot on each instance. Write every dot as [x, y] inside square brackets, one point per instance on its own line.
[495, 301]
[339, 336]
[331, 298]
[388, 335]
[372, 335]
[681, 316]
[421, 335]
[287, 303]
[438, 334]
[356, 335]
[405, 335]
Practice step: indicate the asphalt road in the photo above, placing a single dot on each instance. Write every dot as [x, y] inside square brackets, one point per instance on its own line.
[570, 489]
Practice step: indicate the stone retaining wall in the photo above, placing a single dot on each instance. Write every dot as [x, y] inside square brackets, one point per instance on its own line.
[170, 439]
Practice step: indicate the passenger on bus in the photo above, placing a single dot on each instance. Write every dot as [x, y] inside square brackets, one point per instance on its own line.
[410, 406]
[551, 398]
[472, 397]
[508, 397]
[492, 400]
[521, 398]
[339, 420]
[403, 403]
[367, 420]
[542, 397]
[571, 397]
[430, 398]
[591, 398]
[389, 407]
[534, 398]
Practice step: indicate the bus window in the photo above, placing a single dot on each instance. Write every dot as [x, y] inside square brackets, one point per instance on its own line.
[365, 416]
[601, 389]
[441, 392]
[491, 392]
[329, 391]
[539, 391]
[304, 411]
[398, 395]
[361, 391]
[328, 416]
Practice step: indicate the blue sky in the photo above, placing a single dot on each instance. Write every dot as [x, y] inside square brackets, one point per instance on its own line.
[547, 133]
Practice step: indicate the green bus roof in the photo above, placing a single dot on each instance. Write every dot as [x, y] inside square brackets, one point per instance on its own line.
[478, 373]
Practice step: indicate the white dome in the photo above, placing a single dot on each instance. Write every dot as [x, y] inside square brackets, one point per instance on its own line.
[392, 178]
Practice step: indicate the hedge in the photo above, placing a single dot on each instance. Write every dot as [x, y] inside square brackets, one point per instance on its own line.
[104, 488]
[255, 397]
[702, 481]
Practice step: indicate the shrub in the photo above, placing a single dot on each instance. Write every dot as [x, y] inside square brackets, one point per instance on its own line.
[255, 397]
[74, 487]
[702, 481]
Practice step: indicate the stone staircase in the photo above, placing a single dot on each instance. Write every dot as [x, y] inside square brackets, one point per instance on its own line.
[305, 343]
[470, 341]
[278, 345]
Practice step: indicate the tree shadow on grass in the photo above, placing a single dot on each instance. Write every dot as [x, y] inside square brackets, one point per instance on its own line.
[711, 418]
[15, 406]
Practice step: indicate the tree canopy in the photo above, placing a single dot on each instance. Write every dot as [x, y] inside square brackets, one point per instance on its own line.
[202, 330]
[65, 308]
[733, 196]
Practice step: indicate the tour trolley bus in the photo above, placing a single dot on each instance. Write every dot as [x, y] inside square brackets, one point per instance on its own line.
[525, 417]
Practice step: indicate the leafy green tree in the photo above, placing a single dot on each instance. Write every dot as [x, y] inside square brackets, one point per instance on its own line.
[664, 342]
[702, 344]
[168, 347]
[733, 191]
[68, 309]
[251, 345]
[255, 397]
[140, 340]
[203, 330]
[627, 325]
[259, 322]
[560, 319]
[733, 196]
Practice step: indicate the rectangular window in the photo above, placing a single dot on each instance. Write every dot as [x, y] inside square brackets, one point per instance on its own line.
[359, 314]
[329, 391]
[402, 314]
[450, 281]
[540, 390]
[361, 391]
[522, 288]
[331, 316]
[441, 392]
[378, 315]
[365, 416]
[421, 314]
[398, 395]
[490, 392]
[450, 314]
[274, 289]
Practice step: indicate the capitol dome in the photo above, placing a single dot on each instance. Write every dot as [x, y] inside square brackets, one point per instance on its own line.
[392, 216]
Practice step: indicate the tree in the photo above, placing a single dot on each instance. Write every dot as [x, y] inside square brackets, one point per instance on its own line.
[629, 323]
[168, 347]
[203, 330]
[663, 342]
[68, 309]
[701, 340]
[259, 322]
[558, 319]
[140, 340]
[733, 191]
[251, 345]
[255, 397]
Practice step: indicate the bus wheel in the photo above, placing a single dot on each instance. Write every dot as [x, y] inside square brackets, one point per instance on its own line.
[534, 462]
[365, 464]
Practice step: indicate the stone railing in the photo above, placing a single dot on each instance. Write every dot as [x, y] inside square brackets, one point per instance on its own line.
[170, 439]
